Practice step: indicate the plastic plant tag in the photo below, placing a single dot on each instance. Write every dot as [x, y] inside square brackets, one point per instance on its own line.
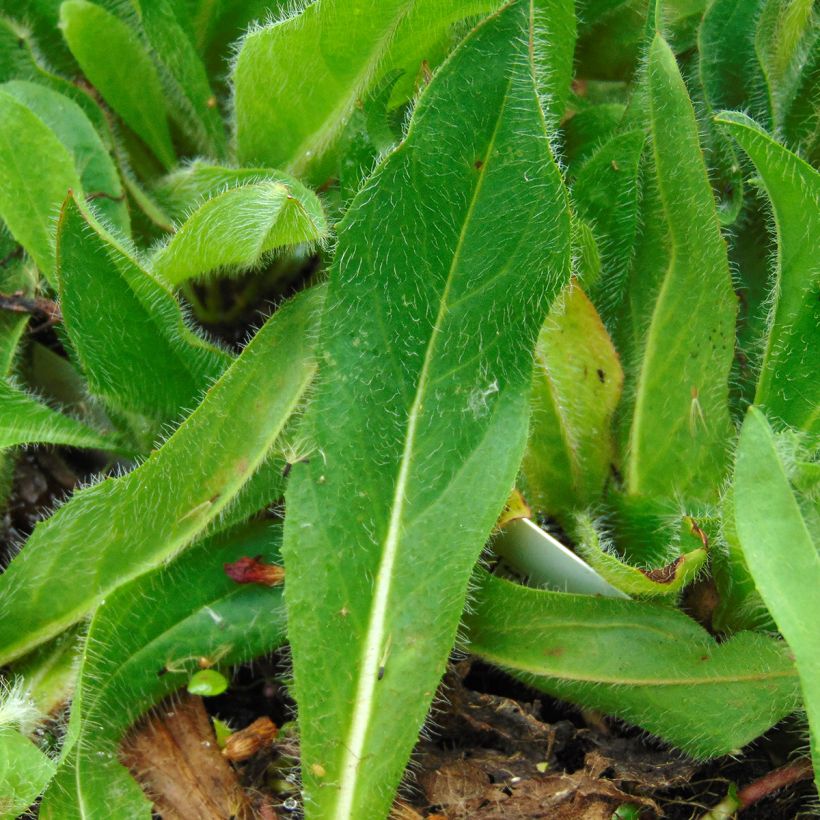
[544, 561]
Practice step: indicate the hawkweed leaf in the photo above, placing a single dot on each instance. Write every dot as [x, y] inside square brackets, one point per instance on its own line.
[129, 83]
[647, 664]
[237, 229]
[606, 193]
[787, 386]
[136, 653]
[731, 77]
[681, 309]
[160, 368]
[98, 174]
[49, 673]
[24, 772]
[781, 555]
[663, 581]
[577, 383]
[420, 412]
[189, 187]
[787, 34]
[25, 420]
[342, 50]
[36, 172]
[21, 59]
[120, 528]
[193, 105]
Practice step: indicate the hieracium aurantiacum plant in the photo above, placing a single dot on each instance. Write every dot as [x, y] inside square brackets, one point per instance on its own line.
[572, 251]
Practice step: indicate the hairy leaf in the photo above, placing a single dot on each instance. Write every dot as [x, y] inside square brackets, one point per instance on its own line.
[49, 673]
[781, 555]
[128, 82]
[436, 298]
[607, 194]
[667, 580]
[238, 228]
[729, 72]
[576, 386]
[647, 664]
[120, 528]
[24, 772]
[97, 172]
[137, 652]
[681, 309]
[159, 368]
[25, 420]
[193, 104]
[342, 49]
[787, 33]
[788, 387]
[36, 172]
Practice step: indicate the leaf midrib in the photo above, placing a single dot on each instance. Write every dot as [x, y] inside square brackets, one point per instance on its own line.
[375, 636]
[620, 680]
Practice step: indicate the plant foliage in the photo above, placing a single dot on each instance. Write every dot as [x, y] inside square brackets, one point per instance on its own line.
[572, 251]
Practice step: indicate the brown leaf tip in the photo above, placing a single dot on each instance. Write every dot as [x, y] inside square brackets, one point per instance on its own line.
[248, 741]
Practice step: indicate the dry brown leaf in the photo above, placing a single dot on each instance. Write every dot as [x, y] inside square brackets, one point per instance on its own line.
[175, 757]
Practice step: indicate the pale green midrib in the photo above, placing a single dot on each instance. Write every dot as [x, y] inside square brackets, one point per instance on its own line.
[503, 660]
[374, 639]
[320, 138]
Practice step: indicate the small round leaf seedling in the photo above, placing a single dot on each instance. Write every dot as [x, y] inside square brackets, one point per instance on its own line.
[208, 683]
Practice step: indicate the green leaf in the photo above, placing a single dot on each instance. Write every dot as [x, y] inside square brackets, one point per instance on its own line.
[667, 580]
[647, 664]
[39, 19]
[157, 369]
[207, 683]
[801, 124]
[587, 129]
[96, 170]
[681, 309]
[36, 171]
[189, 187]
[787, 33]
[239, 228]
[555, 22]
[118, 529]
[129, 83]
[24, 772]
[607, 195]
[193, 104]
[729, 72]
[436, 297]
[25, 420]
[16, 276]
[21, 59]
[788, 388]
[136, 653]
[49, 673]
[576, 387]
[294, 119]
[781, 556]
